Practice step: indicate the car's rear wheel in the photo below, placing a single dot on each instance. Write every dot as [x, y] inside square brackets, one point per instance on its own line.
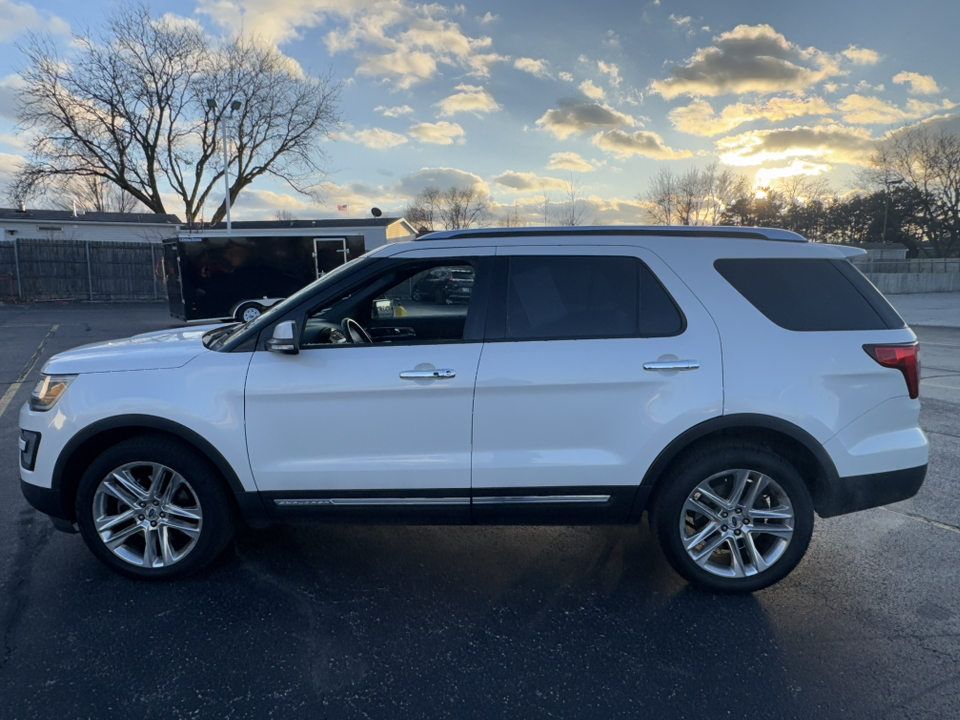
[151, 507]
[416, 296]
[733, 517]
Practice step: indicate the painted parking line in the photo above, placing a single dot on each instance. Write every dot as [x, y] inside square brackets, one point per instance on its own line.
[28, 368]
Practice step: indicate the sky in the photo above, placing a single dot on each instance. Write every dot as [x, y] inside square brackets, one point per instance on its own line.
[521, 98]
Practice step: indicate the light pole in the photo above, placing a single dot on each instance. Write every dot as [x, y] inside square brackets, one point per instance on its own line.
[234, 106]
[886, 204]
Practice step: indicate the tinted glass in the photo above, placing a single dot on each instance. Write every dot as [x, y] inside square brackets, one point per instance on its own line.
[572, 297]
[810, 294]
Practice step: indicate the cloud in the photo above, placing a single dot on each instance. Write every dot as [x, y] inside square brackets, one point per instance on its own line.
[403, 67]
[830, 143]
[19, 18]
[919, 84]
[526, 182]
[569, 161]
[488, 18]
[863, 110]
[393, 112]
[470, 99]
[565, 76]
[680, 21]
[612, 71]
[9, 86]
[534, 67]
[401, 42]
[699, 118]
[376, 138]
[747, 59]
[574, 117]
[441, 133]
[441, 178]
[626, 145]
[765, 176]
[592, 91]
[861, 56]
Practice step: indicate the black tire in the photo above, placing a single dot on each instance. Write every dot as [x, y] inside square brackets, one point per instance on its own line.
[717, 466]
[416, 295]
[248, 306]
[202, 492]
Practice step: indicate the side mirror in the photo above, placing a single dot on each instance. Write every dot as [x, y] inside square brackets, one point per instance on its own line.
[284, 339]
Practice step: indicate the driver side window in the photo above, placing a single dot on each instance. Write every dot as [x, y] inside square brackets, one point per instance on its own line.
[413, 302]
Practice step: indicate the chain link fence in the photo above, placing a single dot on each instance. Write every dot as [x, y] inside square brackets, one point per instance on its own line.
[33, 269]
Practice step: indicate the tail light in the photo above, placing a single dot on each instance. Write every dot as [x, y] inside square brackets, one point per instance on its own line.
[905, 358]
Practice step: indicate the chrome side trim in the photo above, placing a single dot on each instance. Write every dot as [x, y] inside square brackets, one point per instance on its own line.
[371, 502]
[538, 499]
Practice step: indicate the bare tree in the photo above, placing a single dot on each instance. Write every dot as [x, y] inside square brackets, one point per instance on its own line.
[451, 209]
[926, 165]
[464, 207]
[424, 212]
[284, 215]
[697, 197]
[92, 194]
[574, 209]
[513, 218]
[130, 106]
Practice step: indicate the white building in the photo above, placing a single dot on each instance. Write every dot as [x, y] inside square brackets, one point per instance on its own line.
[83, 226]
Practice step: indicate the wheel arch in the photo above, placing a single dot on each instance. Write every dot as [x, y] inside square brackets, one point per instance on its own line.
[795, 444]
[87, 444]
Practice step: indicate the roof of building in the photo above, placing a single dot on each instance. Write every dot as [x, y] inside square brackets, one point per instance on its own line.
[307, 224]
[68, 216]
[614, 230]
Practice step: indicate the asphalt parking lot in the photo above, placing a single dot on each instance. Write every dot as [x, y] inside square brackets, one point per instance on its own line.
[463, 622]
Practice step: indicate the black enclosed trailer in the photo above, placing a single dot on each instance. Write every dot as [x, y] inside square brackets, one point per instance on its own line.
[237, 276]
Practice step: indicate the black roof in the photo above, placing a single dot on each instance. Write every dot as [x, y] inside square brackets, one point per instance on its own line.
[67, 216]
[280, 224]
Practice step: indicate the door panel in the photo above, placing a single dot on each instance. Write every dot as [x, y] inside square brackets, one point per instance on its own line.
[342, 418]
[559, 416]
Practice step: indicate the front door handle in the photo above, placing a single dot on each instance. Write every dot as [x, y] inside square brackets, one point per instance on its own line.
[672, 365]
[428, 374]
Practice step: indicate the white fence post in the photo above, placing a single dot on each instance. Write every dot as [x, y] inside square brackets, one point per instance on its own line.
[16, 265]
[89, 272]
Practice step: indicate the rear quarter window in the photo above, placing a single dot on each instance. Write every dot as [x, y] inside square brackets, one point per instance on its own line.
[810, 294]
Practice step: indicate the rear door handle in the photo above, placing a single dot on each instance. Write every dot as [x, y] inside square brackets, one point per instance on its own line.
[429, 374]
[672, 365]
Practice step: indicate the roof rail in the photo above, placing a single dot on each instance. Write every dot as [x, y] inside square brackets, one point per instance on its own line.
[726, 231]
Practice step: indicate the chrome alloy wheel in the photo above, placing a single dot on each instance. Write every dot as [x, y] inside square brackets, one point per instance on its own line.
[737, 523]
[147, 514]
[251, 314]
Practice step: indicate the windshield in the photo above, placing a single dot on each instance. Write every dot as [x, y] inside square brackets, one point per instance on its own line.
[281, 307]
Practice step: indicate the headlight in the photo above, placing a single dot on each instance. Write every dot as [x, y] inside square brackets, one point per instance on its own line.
[49, 390]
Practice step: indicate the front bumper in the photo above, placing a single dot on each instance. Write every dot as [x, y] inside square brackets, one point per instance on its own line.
[47, 501]
[860, 492]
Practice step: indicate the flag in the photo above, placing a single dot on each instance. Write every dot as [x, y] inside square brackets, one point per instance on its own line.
[341, 208]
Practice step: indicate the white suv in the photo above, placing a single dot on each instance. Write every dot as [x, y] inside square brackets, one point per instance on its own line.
[731, 381]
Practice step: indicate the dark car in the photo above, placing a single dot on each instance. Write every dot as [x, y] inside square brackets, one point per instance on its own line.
[444, 286]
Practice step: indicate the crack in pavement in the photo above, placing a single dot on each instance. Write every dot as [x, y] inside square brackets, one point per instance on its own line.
[921, 518]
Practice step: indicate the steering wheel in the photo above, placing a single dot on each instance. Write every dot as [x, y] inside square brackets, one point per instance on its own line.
[353, 330]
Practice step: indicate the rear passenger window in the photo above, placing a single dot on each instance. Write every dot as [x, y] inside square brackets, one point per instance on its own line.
[810, 294]
[569, 298]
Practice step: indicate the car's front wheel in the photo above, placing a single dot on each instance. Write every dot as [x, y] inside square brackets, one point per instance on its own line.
[151, 507]
[733, 517]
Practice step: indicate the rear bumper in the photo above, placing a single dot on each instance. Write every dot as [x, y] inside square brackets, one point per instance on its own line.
[859, 492]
